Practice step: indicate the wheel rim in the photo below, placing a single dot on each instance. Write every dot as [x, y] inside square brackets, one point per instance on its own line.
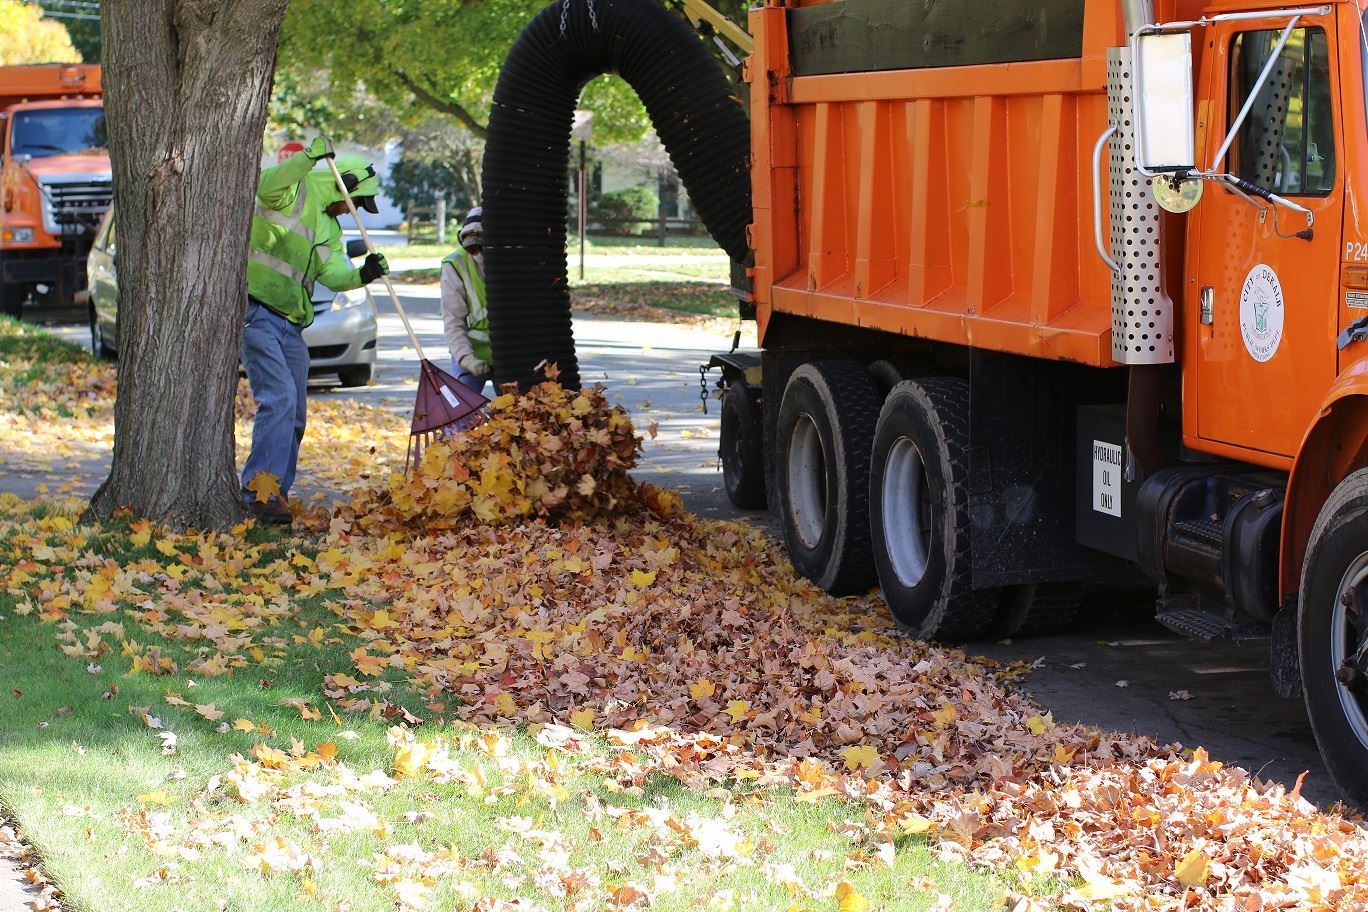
[1349, 646]
[807, 493]
[906, 505]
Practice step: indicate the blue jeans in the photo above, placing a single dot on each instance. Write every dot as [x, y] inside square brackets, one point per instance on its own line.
[277, 364]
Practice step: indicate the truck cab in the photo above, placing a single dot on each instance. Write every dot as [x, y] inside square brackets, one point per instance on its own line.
[1044, 292]
[55, 181]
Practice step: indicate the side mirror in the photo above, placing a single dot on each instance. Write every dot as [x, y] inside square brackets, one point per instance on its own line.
[356, 247]
[1162, 88]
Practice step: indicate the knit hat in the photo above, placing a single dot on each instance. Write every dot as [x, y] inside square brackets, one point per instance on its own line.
[472, 232]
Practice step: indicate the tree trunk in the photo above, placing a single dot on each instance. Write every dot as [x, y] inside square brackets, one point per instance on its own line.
[186, 88]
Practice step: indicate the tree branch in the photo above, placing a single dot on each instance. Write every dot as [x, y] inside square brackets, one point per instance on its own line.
[445, 105]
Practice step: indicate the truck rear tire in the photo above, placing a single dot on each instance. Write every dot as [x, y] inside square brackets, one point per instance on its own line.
[1034, 609]
[741, 448]
[919, 511]
[12, 299]
[824, 433]
[1333, 635]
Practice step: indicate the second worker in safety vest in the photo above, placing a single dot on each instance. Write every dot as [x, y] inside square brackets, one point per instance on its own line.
[465, 318]
[296, 241]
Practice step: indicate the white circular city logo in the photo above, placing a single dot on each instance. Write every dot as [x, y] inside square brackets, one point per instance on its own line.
[1261, 312]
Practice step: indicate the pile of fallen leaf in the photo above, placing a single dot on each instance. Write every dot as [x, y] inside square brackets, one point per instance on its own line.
[693, 649]
[551, 453]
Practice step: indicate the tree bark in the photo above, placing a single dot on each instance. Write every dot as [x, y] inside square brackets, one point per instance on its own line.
[186, 89]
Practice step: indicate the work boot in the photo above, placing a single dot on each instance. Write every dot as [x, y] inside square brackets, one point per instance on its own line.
[274, 511]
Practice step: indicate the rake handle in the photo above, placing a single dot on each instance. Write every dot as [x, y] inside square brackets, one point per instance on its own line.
[370, 248]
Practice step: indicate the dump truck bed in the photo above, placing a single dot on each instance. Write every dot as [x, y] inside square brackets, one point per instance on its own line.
[949, 198]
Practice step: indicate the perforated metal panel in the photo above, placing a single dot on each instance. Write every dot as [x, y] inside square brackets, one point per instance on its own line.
[1142, 314]
[1269, 118]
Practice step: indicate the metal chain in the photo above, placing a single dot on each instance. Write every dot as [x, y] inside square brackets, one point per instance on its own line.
[703, 386]
[565, 15]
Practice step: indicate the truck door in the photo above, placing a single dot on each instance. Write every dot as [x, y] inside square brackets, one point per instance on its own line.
[1260, 320]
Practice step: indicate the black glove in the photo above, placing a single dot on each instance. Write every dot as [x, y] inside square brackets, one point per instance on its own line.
[374, 267]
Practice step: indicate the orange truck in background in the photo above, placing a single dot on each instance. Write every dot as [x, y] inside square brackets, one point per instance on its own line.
[1048, 289]
[54, 181]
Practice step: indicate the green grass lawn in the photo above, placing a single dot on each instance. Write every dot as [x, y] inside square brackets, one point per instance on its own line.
[135, 802]
[594, 244]
[650, 289]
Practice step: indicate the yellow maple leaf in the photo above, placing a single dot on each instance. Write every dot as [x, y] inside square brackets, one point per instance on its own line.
[738, 709]
[160, 796]
[702, 688]
[581, 406]
[862, 756]
[1038, 724]
[1192, 869]
[265, 486]
[505, 705]
[583, 719]
[641, 579]
[1061, 756]
[945, 715]
[166, 547]
[916, 824]
[848, 900]
[501, 402]
[244, 725]
[410, 758]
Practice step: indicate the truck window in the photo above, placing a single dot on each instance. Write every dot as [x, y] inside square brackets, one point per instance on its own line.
[45, 132]
[1287, 143]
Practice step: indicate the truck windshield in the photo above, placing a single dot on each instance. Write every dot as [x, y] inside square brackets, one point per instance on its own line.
[58, 131]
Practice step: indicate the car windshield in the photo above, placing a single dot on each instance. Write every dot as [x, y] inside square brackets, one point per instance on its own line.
[58, 131]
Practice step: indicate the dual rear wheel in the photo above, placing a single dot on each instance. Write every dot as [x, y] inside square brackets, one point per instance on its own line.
[872, 473]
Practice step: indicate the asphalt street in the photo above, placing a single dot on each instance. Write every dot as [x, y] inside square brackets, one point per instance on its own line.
[1118, 669]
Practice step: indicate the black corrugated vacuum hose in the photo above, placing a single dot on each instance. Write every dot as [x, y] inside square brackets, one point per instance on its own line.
[691, 105]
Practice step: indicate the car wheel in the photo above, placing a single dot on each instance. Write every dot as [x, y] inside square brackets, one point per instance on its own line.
[360, 375]
[740, 448]
[1333, 635]
[97, 342]
[919, 511]
[826, 425]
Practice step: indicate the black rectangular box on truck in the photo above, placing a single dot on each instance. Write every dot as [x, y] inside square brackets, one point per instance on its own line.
[1106, 501]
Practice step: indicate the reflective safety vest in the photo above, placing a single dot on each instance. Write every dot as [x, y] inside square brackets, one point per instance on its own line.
[295, 243]
[477, 312]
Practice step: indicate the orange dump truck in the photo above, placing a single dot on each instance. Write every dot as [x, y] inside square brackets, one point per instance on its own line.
[1046, 289]
[54, 181]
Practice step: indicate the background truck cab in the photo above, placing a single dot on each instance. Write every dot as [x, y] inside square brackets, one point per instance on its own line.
[54, 181]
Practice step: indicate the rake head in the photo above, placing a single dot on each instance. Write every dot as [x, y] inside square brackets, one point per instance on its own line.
[444, 405]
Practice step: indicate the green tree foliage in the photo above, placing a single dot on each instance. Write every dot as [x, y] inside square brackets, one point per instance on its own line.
[84, 32]
[27, 36]
[421, 56]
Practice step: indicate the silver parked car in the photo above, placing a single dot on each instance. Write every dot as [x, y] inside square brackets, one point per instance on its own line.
[341, 338]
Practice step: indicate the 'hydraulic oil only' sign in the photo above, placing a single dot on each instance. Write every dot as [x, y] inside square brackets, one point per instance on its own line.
[1106, 478]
